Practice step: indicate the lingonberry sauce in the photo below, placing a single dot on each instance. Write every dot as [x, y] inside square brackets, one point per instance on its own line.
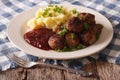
[39, 38]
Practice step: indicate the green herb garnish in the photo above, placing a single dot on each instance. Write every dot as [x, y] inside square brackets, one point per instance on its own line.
[45, 12]
[67, 49]
[97, 36]
[50, 14]
[57, 49]
[86, 26]
[63, 31]
[80, 46]
[72, 35]
[57, 9]
[74, 11]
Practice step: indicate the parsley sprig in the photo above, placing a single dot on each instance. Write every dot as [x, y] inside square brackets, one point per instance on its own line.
[63, 31]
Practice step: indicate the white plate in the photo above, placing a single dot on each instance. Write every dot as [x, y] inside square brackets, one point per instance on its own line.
[17, 28]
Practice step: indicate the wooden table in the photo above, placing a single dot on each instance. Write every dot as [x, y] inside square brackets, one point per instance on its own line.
[101, 70]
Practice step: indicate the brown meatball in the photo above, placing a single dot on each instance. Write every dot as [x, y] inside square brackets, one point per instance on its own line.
[88, 38]
[72, 39]
[74, 24]
[89, 18]
[97, 28]
[56, 41]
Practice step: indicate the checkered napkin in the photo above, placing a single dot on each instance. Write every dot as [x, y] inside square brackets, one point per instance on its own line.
[11, 8]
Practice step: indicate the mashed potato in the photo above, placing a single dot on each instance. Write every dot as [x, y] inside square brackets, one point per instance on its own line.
[50, 17]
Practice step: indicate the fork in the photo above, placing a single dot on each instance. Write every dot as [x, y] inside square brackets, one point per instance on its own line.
[27, 64]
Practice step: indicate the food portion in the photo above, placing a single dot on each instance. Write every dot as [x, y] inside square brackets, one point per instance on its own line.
[74, 24]
[39, 37]
[56, 41]
[57, 28]
[50, 17]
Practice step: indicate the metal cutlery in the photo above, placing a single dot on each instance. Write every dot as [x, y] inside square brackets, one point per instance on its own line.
[27, 64]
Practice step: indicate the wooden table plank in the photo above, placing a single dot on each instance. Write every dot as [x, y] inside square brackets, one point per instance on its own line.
[40, 73]
[101, 70]
[108, 71]
[89, 67]
[44, 73]
[13, 74]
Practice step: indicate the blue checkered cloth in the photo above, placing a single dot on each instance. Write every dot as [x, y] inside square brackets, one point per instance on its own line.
[11, 8]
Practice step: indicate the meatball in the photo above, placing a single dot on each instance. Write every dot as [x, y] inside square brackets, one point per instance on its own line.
[74, 24]
[88, 38]
[56, 41]
[72, 39]
[91, 36]
[97, 28]
[89, 18]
